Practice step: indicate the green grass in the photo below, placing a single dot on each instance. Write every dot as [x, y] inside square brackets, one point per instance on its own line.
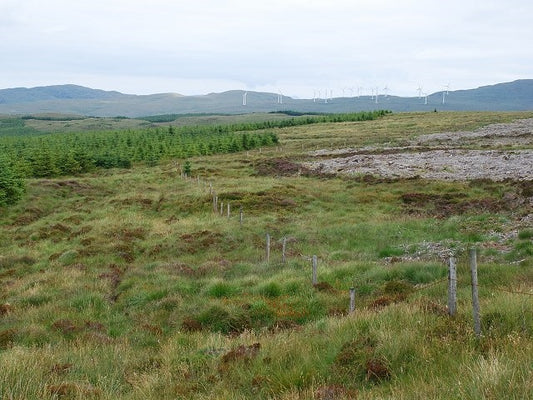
[123, 284]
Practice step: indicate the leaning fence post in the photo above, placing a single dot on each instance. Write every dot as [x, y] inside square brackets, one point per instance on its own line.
[352, 300]
[267, 247]
[452, 286]
[475, 296]
[314, 270]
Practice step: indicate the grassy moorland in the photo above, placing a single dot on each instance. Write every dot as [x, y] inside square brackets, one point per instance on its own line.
[124, 284]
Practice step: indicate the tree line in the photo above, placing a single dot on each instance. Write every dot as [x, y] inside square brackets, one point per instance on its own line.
[60, 154]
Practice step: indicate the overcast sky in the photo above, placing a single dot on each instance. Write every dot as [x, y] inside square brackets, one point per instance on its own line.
[297, 47]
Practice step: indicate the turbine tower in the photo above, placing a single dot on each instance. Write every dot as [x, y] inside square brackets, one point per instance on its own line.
[445, 92]
[244, 98]
[280, 97]
[419, 90]
[386, 91]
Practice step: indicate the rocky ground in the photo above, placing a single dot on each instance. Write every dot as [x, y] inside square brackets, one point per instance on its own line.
[480, 154]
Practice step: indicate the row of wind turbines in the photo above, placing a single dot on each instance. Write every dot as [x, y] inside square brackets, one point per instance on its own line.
[374, 96]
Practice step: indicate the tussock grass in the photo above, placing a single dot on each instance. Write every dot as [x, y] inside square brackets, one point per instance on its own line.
[126, 284]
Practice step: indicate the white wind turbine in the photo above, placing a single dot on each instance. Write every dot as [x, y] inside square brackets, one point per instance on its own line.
[445, 92]
[280, 97]
[386, 91]
[419, 90]
[377, 94]
[244, 98]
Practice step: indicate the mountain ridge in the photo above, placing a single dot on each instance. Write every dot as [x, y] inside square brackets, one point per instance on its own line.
[69, 98]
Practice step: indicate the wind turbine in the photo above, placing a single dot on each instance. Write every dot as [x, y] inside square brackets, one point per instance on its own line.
[326, 96]
[359, 90]
[280, 98]
[445, 92]
[425, 98]
[386, 91]
[377, 94]
[244, 98]
[419, 90]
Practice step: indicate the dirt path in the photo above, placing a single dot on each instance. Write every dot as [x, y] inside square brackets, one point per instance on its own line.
[441, 156]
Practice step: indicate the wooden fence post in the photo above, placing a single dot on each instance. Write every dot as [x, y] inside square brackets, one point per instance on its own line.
[221, 208]
[229, 210]
[452, 286]
[283, 249]
[215, 203]
[315, 262]
[475, 296]
[240, 215]
[267, 248]
[352, 300]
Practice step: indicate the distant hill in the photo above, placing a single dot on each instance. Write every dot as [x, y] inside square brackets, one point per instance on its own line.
[73, 99]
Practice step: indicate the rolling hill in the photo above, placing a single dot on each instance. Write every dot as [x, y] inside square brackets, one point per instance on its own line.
[510, 96]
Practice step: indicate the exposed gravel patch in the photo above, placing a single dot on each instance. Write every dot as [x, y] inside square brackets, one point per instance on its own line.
[436, 164]
[441, 156]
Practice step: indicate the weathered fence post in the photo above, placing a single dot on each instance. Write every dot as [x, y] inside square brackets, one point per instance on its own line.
[267, 247]
[352, 300]
[452, 286]
[229, 210]
[221, 208]
[315, 261]
[215, 203]
[210, 188]
[240, 215]
[283, 249]
[475, 296]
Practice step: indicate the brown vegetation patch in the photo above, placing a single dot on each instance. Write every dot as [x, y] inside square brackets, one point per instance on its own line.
[280, 167]
[5, 309]
[54, 232]
[7, 337]
[81, 231]
[10, 261]
[191, 325]
[377, 369]
[445, 205]
[197, 241]
[242, 353]
[324, 287]
[359, 360]
[73, 390]
[381, 302]
[115, 277]
[95, 326]
[334, 392]
[61, 369]
[65, 326]
[153, 329]
[432, 307]
[130, 234]
[283, 325]
[30, 214]
[265, 200]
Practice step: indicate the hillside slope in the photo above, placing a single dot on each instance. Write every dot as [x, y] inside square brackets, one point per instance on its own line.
[511, 96]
